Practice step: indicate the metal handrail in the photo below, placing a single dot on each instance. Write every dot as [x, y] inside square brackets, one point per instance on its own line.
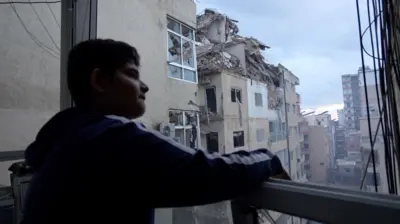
[326, 204]
[11, 155]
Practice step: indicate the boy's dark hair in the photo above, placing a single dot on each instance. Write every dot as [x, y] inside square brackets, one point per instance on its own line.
[104, 54]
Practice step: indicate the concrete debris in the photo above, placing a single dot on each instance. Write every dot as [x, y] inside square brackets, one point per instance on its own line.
[212, 18]
[219, 52]
[275, 97]
[212, 59]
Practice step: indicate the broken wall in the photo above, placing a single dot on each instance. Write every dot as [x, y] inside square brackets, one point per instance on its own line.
[219, 35]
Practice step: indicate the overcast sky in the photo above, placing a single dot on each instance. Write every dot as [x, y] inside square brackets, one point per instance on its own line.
[316, 39]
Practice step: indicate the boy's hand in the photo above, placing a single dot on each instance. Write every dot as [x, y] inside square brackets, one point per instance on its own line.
[279, 171]
[283, 176]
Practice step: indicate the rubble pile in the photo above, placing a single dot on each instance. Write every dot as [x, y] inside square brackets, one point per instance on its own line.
[275, 97]
[212, 59]
[209, 17]
[217, 32]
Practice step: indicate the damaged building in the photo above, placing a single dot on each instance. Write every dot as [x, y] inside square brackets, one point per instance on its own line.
[238, 91]
[243, 99]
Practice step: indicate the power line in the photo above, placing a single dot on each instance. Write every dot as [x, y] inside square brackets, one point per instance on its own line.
[87, 14]
[366, 96]
[388, 163]
[385, 66]
[36, 2]
[38, 42]
[370, 155]
[394, 53]
[387, 85]
[44, 27]
[52, 13]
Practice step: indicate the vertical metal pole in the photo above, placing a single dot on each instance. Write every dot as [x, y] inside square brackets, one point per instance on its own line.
[287, 122]
[287, 129]
[78, 23]
[66, 44]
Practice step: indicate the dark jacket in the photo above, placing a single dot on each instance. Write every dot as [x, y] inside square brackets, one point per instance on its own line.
[107, 169]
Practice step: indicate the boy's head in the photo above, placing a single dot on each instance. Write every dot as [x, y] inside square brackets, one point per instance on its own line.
[104, 74]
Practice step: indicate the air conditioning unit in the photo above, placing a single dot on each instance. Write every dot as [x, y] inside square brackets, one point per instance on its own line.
[167, 129]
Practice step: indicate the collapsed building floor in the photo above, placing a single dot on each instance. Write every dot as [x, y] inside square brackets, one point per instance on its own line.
[218, 35]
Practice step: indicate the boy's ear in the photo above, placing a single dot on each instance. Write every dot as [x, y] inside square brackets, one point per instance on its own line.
[98, 80]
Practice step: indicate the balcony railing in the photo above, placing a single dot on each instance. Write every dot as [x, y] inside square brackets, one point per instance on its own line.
[277, 136]
[207, 116]
[324, 204]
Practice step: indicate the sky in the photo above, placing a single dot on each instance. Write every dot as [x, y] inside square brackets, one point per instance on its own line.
[318, 40]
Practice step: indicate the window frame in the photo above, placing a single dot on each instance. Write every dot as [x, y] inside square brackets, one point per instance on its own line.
[236, 91]
[213, 87]
[261, 99]
[185, 127]
[263, 134]
[233, 139]
[182, 66]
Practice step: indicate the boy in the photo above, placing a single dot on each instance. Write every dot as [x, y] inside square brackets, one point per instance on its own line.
[93, 164]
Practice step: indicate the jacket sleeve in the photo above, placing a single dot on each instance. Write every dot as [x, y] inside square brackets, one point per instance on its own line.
[178, 176]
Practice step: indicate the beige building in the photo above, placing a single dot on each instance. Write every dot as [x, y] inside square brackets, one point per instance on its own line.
[224, 119]
[379, 149]
[294, 117]
[242, 99]
[233, 94]
[316, 150]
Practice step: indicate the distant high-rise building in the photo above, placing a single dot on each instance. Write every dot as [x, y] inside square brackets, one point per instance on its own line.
[340, 149]
[341, 118]
[351, 100]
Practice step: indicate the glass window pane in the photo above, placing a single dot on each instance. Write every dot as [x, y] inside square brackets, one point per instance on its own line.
[29, 74]
[233, 95]
[188, 53]
[188, 137]
[190, 75]
[239, 95]
[174, 25]
[187, 32]
[175, 71]
[179, 136]
[174, 48]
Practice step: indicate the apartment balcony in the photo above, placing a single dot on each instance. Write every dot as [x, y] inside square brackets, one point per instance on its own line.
[325, 204]
[286, 199]
[206, 116]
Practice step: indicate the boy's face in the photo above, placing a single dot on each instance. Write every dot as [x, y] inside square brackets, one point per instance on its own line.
[125, 94]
